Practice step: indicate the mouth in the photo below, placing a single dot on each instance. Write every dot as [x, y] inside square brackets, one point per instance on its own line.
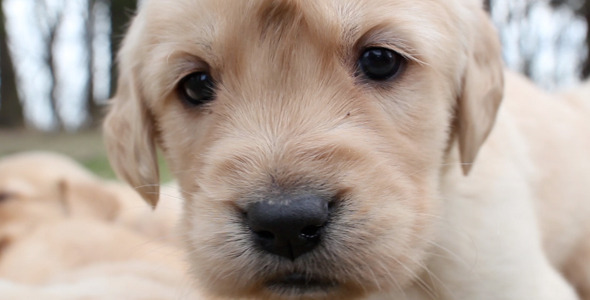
[298, 284]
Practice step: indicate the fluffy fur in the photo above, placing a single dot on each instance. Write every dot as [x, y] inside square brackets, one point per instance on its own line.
[415, 218]
[66, 234]
[40, 187]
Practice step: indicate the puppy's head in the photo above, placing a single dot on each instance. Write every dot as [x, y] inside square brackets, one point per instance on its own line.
[37, 188]
[308, 137]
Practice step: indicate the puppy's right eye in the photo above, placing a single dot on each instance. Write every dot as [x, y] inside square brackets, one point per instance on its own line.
[197, 88]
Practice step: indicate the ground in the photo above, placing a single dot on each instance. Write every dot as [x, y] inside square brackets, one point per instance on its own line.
[86, 147]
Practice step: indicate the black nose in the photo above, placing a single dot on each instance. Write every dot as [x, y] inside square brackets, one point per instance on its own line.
[290, 226]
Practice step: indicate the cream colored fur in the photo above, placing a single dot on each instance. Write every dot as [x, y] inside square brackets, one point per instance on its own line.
[40, 187]
[66, 234]
[89, 259]
[446, 188]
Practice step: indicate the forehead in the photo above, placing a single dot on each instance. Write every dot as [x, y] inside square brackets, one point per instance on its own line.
[420, 27]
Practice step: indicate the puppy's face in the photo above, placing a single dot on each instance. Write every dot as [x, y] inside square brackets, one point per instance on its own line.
[307, 136]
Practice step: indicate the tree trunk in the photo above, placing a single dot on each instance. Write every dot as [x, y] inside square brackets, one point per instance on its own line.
[49, 28]
[487, 4]
[121, 14]
[582, 8]
[11, 111]
[585, 11]
[92, 108]
[50, 60]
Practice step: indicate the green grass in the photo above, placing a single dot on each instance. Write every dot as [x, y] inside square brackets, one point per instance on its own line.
[85, 147]
[99, 165]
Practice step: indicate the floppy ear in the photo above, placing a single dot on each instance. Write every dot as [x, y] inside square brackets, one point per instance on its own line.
[86, 198]
[482, 89]
[129, 127]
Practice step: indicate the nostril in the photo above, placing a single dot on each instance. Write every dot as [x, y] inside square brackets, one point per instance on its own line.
[311, 232]
[265, 235]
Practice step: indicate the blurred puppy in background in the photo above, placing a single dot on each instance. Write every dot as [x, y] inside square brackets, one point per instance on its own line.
[66, 234]
[37, 187]
[343, 149]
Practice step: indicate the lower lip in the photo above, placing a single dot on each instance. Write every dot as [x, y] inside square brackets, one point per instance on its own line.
[300, 284]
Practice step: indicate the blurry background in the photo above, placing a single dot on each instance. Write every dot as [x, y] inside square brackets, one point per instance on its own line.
[57, 71]
[56, 74]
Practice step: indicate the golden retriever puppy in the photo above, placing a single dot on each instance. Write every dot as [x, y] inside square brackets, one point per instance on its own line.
[346, 149]
[37, 187]
[90, 259]
[66, 234]
[159, 223]
[102, 286]
[71, 244]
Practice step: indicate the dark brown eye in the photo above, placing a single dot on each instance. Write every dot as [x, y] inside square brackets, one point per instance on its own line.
[197, 88]
[380, 63]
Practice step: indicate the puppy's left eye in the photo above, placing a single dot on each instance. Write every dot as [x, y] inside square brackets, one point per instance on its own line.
[380, 64]
[197, 88]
